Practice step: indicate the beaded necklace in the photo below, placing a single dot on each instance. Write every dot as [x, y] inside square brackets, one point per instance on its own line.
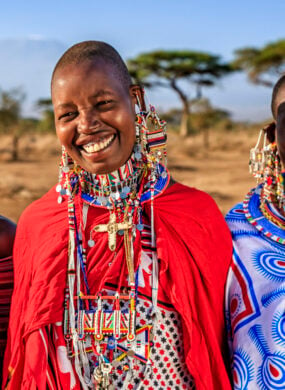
[264, 216]
[113, 187]
[87, 326]
[271, 213]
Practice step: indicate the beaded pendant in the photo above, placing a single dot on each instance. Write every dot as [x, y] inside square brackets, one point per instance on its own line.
[100, 330]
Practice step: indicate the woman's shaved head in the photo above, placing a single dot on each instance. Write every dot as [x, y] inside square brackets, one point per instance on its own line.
[92, 51]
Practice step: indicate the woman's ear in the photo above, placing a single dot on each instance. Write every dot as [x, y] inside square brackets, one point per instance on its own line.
[137, 94]
[270, 131]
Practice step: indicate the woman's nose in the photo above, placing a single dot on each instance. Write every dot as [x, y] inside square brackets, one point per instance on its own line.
[87, 121]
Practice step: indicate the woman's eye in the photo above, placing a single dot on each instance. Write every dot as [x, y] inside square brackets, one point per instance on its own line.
[67, 115]
[104, 103]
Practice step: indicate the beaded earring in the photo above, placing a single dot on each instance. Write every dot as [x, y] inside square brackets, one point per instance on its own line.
[65, 167]
[270, 173]
[279, 174]
[257, 157]
[151, 134]
[265, 166]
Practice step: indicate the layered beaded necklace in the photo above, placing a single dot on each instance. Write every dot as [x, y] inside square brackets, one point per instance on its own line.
[264, 216]
[90, 330]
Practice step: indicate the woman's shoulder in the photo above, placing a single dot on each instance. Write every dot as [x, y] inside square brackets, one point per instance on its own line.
[191, 210]
[236, 213]
[43, 214]
[189, 204]
[189, 197]
[239, 218]
[7, 234]
[46, 206]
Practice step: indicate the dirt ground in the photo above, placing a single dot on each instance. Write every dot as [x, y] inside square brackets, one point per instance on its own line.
[222, 170]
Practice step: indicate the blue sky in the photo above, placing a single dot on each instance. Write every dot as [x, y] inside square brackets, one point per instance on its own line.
[136, 26]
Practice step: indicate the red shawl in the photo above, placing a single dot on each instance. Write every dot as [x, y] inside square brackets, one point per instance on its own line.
[193, 244]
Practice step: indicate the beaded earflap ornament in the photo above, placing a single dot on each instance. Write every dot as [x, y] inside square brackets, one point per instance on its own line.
[265, 166]
[111, 335]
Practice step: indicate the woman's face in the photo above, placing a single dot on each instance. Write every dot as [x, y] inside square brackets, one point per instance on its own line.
[280, 123]
[94, 115]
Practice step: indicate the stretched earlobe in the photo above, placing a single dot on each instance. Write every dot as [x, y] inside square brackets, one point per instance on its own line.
[137, 93]
[270, 131]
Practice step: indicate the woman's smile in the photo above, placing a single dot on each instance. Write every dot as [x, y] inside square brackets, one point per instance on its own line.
[95, 147]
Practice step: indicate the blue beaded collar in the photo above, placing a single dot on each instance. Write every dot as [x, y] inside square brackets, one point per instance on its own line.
[258, 220]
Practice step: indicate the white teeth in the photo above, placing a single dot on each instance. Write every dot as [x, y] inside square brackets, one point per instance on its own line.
[92, 147]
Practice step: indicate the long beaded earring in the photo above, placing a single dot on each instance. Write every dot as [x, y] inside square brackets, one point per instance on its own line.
[257, 157]
[279, 174]
[265, 166]
[151, 134]
[65, 167]
[270, 173]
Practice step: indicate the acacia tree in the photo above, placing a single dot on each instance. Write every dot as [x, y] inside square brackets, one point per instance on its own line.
[205, 116]
[262, 65]
[169, 68]
[46, 124]
[10, 116]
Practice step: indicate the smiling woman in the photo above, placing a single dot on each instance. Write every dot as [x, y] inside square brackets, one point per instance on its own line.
[114, 285]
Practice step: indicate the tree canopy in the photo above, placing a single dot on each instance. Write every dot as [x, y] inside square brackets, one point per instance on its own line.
[168, 68]
[262, 65]
[10, 116]
[10, 108]
[46, 124]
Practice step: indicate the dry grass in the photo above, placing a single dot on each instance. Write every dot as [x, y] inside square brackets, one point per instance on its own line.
[221, 171]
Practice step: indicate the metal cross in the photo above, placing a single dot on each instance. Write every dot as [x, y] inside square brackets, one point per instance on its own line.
[112, 228]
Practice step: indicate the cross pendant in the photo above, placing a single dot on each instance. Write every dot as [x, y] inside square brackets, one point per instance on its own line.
[112, 228]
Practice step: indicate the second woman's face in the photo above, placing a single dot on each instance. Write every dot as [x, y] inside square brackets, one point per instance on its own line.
[94, 115]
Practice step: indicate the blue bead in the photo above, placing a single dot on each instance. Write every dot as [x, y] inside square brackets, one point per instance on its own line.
[111, 343]
[126, 189]
[140, 227]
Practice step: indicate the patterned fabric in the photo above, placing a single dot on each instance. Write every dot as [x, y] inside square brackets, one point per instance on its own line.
[168, 369]
[255, 300]
[6, 287]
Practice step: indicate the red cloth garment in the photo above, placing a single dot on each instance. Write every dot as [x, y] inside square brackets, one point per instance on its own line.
[6, 287]
[194, 248]
[169, 370]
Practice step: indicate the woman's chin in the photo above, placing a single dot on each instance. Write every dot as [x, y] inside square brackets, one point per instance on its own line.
[100, 168]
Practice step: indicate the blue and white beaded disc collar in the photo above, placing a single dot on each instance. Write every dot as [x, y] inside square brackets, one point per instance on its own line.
[255, 216]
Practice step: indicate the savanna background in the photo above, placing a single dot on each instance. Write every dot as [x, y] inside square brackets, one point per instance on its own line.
[208, 68]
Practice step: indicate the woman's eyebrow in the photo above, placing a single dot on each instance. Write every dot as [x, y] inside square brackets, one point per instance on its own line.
[100, 93]
[64, 105]
[103, 92]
